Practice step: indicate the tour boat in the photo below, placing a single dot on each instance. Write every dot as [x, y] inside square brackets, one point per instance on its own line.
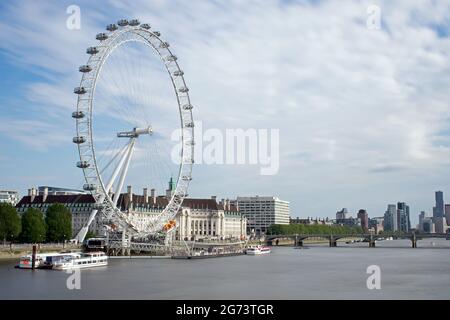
[25, 262]
[82, 260]
[51, 259]
[43, 260]
[258, 250]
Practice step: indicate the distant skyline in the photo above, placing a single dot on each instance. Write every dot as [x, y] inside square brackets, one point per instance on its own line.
[364, 115]
[414, 218]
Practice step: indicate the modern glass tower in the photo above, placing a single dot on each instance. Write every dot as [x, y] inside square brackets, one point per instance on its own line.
[403, 221]
[438, 212]
[390, 218]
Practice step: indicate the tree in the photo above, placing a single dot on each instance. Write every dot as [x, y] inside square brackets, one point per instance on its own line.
[9, 222]
[59, 223]
[292, 229]
[33, 226]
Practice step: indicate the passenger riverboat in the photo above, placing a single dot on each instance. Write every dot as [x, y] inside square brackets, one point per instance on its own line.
[81, 261]
[44, 260]
[26, 261]
[258, 250]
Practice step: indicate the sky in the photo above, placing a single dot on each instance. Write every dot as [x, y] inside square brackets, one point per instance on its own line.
[363, 115]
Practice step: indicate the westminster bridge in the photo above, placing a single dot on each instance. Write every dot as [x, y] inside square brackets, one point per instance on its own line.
[370, 238]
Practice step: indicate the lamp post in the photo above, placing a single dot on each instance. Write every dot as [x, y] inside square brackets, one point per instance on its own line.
[64, 240]
[10, 243]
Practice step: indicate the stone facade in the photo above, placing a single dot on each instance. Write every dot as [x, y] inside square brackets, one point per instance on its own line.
[197, 218]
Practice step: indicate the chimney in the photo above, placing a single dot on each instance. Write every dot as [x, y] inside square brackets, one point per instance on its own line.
[130, 194]
[32, 194]
[152, 193]
[227, 205]
[44, 198]
[145, 195]
[214, 198]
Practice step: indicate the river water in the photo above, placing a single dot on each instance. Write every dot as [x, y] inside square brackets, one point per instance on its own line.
[318, 272]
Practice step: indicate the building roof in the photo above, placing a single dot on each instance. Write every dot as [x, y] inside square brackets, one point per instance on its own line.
[138, 200]
[71, 198]
[161, 202]
[51, 189]
[123, 202]
[261, 198]
[201, 204]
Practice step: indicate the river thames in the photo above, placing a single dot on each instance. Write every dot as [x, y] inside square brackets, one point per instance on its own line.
[318, 272]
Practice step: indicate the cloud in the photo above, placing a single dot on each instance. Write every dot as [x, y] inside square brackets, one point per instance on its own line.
[37, 135]
[387, 169]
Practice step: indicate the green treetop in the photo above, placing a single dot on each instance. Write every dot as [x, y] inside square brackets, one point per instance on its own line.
[33, 226]
[9, 222]
[59, 223]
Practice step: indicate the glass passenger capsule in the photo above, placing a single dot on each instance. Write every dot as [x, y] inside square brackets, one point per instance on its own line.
[89, 187]
[122, 22]
[134, 22]
[79, 90]
[78, 114]
[111, 27]
[83, 164]
[79, 140]
[92, 50]
[85, 68]
[101, 36]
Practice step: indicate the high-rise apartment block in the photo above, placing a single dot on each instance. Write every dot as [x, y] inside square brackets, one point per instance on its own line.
[438, 210]
[390, 219]
[9, 196]
[262, 212]
[364, 217]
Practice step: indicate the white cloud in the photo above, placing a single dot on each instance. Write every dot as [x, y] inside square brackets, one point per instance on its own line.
[37, 135]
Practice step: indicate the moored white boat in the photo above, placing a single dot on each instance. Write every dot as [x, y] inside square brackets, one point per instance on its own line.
[52, 258]
[26, 261]
[83, 260]
[43, 260]
[258, 250]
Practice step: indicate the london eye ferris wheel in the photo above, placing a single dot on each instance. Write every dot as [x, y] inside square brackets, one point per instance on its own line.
[131, 99]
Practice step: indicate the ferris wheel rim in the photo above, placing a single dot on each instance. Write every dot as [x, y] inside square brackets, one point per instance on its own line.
[87, 153]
